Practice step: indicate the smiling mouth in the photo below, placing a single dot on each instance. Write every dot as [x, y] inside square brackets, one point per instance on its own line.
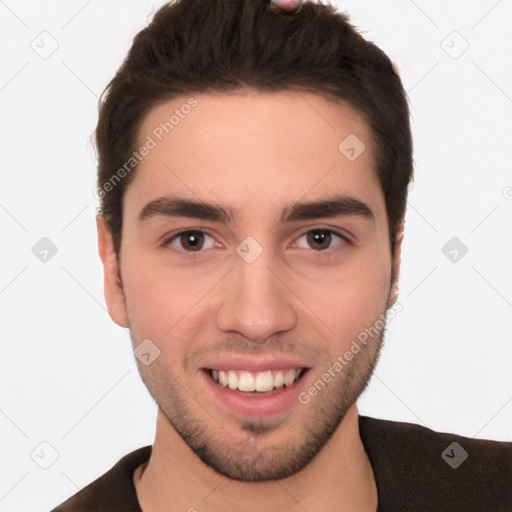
[257, 382]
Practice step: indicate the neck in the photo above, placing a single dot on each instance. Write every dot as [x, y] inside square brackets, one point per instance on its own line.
[340, 478]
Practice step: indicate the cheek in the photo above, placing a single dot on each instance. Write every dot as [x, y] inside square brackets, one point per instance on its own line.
[349, 301]
[165, 302]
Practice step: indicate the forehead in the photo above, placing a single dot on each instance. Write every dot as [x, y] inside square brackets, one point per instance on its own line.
[255, 150]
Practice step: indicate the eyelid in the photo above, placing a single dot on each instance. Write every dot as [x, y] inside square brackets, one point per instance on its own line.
[341, 233]
[171, 237]
[344, 237]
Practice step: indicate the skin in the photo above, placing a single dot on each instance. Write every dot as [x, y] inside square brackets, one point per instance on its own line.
[255, 154]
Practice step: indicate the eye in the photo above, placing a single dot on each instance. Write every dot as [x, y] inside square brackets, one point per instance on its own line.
[191, 241]
[320, 240]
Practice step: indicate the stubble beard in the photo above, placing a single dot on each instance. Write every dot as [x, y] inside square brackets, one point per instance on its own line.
[253, 456]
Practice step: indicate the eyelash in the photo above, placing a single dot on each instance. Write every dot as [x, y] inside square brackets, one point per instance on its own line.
[343, 240]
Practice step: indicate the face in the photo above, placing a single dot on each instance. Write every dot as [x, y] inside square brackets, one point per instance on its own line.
[254, 253]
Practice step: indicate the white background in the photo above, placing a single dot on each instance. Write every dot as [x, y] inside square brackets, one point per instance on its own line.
[68, 375]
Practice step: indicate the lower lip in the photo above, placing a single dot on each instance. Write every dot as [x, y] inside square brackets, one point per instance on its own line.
[253, 404]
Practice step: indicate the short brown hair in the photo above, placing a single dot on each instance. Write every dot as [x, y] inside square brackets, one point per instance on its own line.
[201, 46]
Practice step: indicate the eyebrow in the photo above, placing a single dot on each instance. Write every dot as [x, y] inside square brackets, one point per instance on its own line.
[330, 207]
[172, 207]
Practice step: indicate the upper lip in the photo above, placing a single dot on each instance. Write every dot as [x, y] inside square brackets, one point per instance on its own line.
[254, 363]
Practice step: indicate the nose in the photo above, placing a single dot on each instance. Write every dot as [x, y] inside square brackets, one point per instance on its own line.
[256, 304]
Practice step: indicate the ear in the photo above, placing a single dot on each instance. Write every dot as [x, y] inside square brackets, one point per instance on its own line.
[112, 287]
[395, 270]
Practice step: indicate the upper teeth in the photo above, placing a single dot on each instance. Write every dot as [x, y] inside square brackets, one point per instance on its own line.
[256, 381]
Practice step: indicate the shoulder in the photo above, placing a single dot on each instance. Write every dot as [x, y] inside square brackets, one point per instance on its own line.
[419, 469]
[114, 491]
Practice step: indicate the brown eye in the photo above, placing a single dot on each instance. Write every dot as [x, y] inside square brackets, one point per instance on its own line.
[190, 240]
[319, 240]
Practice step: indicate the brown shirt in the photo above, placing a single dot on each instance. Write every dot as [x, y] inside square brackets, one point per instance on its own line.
[415, 468]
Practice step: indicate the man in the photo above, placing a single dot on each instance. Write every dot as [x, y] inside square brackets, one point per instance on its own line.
[253, 170]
